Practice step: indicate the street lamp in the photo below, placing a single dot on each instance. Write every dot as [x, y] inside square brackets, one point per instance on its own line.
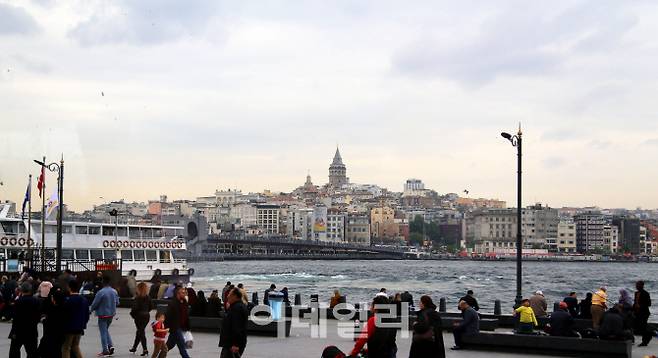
[114, 212]
[59, 168]
[516, 141]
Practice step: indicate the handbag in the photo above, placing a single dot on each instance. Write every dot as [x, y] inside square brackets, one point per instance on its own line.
[189, 339]
[423, 331]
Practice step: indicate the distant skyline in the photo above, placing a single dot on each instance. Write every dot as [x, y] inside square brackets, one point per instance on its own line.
[181, 98]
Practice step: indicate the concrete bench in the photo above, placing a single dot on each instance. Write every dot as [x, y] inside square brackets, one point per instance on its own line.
[486, 324]
[540, 344]
[214, 324]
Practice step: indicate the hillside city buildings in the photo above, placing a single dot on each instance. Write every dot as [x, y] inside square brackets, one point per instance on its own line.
[341, 211]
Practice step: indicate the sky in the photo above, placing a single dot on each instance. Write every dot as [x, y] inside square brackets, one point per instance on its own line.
[154, 97]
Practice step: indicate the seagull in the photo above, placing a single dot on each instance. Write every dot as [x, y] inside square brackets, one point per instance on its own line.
[466, 191]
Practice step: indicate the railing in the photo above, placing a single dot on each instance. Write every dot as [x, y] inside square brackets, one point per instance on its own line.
[50, 265]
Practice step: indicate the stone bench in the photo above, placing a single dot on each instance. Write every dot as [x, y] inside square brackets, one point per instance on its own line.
[540, 344]
[214, 324]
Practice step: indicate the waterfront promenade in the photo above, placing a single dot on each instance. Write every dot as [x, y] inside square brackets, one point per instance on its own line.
[298, 345]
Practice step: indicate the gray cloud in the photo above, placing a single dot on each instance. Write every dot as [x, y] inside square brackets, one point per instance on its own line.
[553, 162]
[559, 135]
[599, 144]
[144, 22]
[652, 141]
[522, 40]
[15, 20]
[31, 64]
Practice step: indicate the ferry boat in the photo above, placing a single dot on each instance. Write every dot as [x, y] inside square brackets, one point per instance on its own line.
[94, 246]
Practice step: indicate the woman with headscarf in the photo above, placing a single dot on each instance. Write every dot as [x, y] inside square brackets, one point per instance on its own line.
[625, 300]
[199, 307]
[140, 312]
[427, 332]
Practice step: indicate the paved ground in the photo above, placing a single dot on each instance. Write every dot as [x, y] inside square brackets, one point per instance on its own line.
[299, 344]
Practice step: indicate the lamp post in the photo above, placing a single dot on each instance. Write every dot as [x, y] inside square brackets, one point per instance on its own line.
[115, 213]
[516, 141]
[59, 168]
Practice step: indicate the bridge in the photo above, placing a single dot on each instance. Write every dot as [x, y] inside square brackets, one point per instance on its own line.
[238, 246]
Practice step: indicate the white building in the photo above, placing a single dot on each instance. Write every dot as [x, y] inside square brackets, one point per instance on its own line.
[336, 221]
[267, 218]
[243, 215]
[566, 237]
[611, 238]
[300, 223]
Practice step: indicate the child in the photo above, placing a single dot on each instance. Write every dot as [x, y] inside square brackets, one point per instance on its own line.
[527, 319]
[159, 336]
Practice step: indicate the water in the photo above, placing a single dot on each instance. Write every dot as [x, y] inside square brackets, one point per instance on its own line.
[361, 280]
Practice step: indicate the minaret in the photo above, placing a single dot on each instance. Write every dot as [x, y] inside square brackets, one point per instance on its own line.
[337, 171]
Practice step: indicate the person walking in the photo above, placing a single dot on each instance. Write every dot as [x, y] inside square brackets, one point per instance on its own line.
[641, 310]
[76, 309]
[178, 321]
[159, 336]
[599, 306]
[24, 332]
[105, 305]
[427, 339]
[470, 324]
[233, 336]
[470, 299]
[140, 312]
[54, 324]
[538, 304]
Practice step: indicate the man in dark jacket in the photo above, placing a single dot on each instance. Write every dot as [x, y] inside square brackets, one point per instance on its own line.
[266, 296]
[562, 322]
[469, 325]
[641, 309]
[76, 309]
[177, 320]
[472, 302]
[572, 304]
[233, 337]
[614, 326]
[24, 325]
[407, 297]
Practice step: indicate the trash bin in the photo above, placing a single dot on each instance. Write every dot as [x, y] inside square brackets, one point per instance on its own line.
[276, 304]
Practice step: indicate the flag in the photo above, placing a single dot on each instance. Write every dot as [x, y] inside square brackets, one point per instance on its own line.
[42, 180]
[53, 202]
[28, 197]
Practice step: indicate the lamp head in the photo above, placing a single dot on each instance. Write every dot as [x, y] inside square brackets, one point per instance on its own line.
[506, 135]
[113, 212]
[39, 162]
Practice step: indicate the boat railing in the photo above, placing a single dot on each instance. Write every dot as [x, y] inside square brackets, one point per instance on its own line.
[50, 265]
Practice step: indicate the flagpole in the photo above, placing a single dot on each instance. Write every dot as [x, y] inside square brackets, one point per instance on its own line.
[43, 218]
[29, 221]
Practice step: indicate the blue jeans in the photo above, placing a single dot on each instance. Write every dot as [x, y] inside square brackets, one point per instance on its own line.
[176, 339]
[104, 328]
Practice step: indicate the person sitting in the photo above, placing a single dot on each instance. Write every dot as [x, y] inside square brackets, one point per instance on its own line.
[335, 299]
[214, 306]
[527, 318]
[380, 340]
[199, 307]
[538, 304]
[613, 325]
[470, 324]
[561, 322]
[572, 304]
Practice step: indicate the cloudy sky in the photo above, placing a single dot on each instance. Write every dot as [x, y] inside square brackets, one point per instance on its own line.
[182, 97]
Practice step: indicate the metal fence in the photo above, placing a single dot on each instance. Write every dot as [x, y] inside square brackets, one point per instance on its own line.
[50, 265]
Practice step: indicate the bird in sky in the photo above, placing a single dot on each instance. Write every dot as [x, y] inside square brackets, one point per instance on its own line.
[465, 191]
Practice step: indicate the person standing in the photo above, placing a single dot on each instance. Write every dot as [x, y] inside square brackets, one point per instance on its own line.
[538, 304]
[54, 324]
[599, 306]
[105, 305]
[24, 332]
[225, 290]
[641, 309]
[470, 299]
[428, 334]
[76, 308]
[585, 307]
[407, 297]
[233, 336]
[470, 324]
[266, 296]
[527, 317]
[572, 304]
[140, 312]
[178, 320]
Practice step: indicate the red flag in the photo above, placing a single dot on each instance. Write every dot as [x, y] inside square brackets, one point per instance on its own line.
[42, 180]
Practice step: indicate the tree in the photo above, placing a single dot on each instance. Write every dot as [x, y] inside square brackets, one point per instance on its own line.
[416, 238]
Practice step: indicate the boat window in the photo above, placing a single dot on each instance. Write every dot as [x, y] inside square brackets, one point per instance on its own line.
[157, 233]
[123, 231]
[67, 254]
[67, 229]
[151, 255]
[52, 229]
[22, 228]
[9, 227]
[94, 230]
[81, 230]
[97, 254]
[13, 253]
[36, 228]
[110, 254]
[108, 231]
[127, 255]
[82, 254]
[165, 256]
[170, 232]
[138, 255]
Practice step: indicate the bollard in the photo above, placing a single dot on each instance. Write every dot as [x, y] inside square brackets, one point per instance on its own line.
[442, 304]
[497, 310]
[298, 299]
[315, 299]
[556, 306]
[254, 298]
